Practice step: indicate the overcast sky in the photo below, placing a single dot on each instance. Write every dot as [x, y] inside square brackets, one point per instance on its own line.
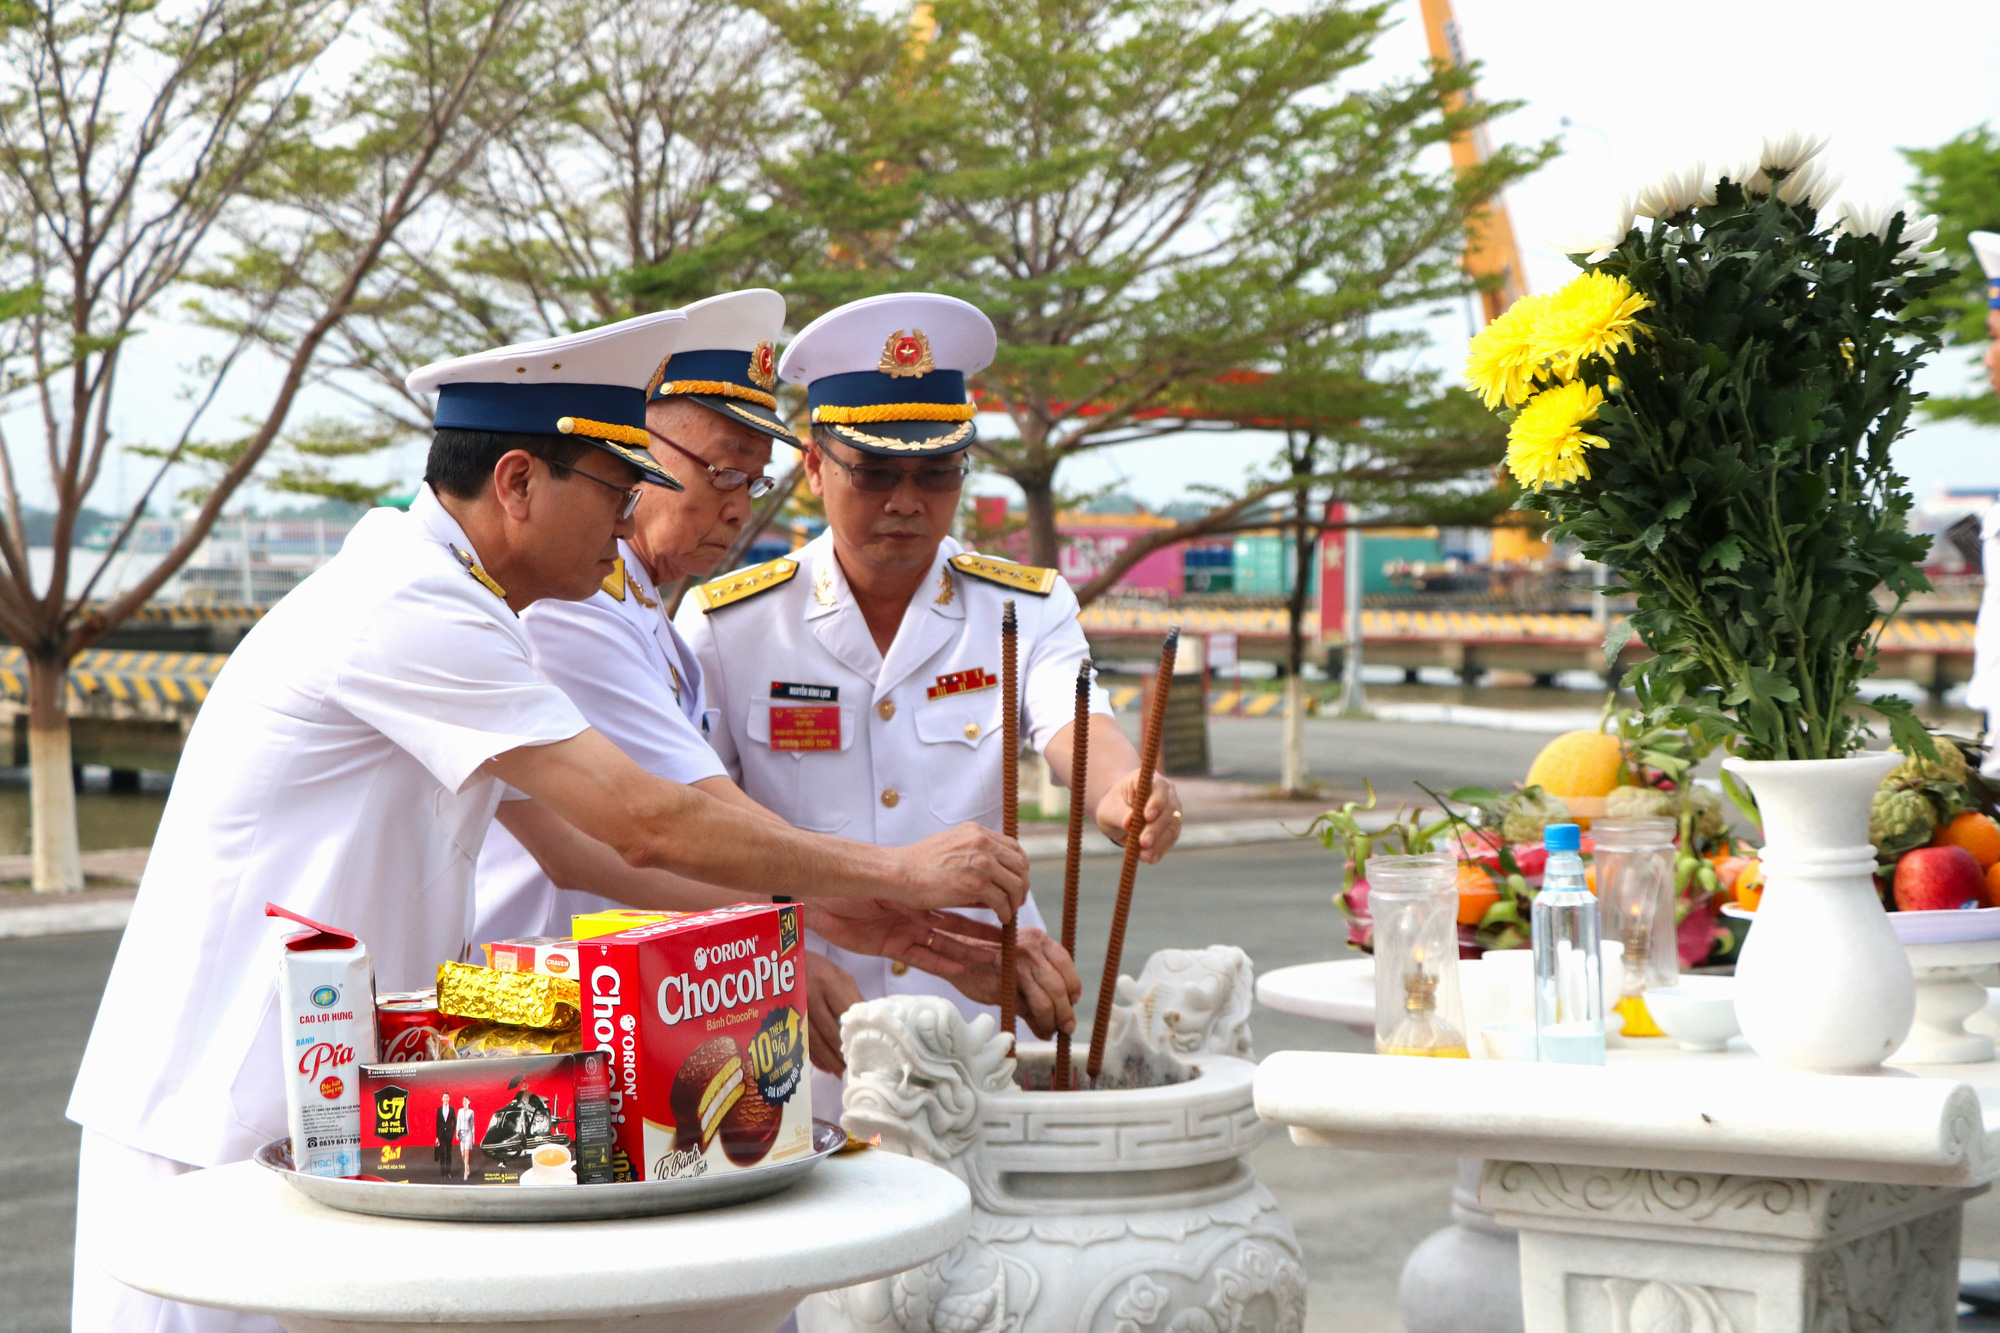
[1623, 84]
[1639, 84]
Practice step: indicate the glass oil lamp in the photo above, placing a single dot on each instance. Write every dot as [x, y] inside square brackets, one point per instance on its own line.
[1414, 900]
[1635, 883]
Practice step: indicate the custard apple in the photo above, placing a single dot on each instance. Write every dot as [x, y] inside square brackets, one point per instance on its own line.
[1632, 802]
[1949, 766]
[1711, 815]
[1528, 811]
[1899, 821]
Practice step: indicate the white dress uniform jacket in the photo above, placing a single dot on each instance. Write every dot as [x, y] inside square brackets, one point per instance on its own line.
[334, 768]
[917, 747]
[621, 661]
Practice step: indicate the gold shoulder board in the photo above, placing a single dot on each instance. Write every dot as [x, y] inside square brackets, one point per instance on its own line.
[1020, 578]
[744, 583]
[614, 582]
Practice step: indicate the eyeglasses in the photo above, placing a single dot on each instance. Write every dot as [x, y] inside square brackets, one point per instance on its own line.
[722, 478]
[631, 496]
[875, 479]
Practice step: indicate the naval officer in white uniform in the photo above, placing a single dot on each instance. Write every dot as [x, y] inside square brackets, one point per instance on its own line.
[712, 419]
[855, 683]
[350, 756]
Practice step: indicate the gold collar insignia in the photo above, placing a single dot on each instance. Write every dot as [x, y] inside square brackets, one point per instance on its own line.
[823, 587]
[485, 580]
[945, 588]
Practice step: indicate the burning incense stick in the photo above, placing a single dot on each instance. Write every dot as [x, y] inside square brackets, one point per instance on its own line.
[1079, 772]
[1010, 797]
[1135, 823]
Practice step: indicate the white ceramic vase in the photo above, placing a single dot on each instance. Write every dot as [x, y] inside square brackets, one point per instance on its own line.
[1092, 1212]
[1823, 983]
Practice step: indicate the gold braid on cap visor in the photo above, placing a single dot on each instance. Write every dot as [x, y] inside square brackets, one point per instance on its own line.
[602, 430]
[720, 388]
[844, 416]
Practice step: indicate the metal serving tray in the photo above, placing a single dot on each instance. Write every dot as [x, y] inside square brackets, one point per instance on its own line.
[505, 1203]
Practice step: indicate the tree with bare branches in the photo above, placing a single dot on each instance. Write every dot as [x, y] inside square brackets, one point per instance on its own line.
[287, 145]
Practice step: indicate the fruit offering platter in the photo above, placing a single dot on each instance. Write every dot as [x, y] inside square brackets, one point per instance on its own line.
[1621, 770]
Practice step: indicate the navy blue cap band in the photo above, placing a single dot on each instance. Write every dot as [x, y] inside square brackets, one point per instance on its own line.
[710, 363]
[871, 388]
[1993, 293]
[534, 409]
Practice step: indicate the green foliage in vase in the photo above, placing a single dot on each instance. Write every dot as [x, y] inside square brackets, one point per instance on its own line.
[1737, 473]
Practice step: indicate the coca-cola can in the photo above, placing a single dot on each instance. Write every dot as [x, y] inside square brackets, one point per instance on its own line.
[405, 1023]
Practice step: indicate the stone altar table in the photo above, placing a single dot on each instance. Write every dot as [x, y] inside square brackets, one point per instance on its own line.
[1674, 1190]
[240, 1238]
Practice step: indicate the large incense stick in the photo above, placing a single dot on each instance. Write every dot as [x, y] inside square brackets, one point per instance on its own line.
[1079, 773]
[1135, 823]
[1010, 797]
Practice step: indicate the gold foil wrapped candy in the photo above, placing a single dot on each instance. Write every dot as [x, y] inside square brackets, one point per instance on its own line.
[525, 999]
[482, 1040]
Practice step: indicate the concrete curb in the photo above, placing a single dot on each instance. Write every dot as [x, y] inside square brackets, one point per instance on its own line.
[78, 918]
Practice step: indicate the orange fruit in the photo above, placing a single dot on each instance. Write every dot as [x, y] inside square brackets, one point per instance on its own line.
[1475, 893]
[1578, 763]
[1976, 833]
[1750, 886]
[1993, 885]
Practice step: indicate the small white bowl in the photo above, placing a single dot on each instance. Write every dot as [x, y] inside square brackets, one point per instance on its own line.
[1699, 1013]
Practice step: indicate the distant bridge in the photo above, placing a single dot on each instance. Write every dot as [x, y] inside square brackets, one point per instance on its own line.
[1935, 653]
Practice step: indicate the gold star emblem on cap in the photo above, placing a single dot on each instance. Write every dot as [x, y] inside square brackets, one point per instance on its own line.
[764, 365]
[906, 355]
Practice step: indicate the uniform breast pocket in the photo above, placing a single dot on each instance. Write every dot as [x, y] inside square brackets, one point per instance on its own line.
[792, 765]
[961, 742]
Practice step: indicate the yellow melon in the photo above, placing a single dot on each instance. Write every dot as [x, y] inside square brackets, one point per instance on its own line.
[1577, 763]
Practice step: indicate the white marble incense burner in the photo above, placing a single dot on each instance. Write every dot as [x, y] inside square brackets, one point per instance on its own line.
[1120, 1210]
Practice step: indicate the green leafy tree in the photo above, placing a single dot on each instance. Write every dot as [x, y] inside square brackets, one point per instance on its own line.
[137, 141]
[1122, 188]
[1960, 182]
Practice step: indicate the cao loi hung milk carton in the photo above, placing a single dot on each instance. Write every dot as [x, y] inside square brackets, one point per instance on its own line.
[326, 1014]
[704, 1017]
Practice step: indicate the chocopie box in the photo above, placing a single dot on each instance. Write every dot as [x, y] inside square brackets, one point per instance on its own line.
[509, 1120]
[703, 1017]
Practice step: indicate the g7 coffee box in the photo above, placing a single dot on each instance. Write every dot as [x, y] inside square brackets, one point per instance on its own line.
[506, 1120]
[703, 1017]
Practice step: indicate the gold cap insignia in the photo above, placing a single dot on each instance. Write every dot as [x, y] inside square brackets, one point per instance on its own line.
[906, 355]
[764, 365]
[659, 375]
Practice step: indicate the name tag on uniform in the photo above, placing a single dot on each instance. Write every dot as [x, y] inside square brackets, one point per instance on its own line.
[803, 727]
[785, 689]
[962, 682]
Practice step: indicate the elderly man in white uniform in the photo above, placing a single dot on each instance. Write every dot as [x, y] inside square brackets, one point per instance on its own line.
[855, 683]
[616, 654]
[350, 756]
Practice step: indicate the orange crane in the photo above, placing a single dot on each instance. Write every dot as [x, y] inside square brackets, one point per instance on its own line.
[1489, 234]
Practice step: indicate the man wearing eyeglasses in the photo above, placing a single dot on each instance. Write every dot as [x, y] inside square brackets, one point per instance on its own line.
[855, 683]
[710, 422]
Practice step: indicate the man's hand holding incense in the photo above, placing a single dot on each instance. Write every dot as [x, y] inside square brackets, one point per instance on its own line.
[1163, 814]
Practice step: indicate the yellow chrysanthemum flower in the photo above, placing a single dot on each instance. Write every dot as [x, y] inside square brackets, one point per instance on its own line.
[1546, 442]
[1501, 362]
[1592, 315]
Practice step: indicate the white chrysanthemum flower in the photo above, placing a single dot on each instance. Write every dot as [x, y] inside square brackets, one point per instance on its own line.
[1812, 185]
[1870, 217]
[1918, 231]
[1595, 242]
[1733, 169]
[1674, 191]
[1791, 150]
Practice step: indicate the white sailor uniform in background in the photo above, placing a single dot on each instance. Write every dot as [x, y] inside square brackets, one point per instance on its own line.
[820, 727]
[620, 660]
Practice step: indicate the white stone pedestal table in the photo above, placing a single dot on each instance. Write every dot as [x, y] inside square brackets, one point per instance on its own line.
[238, 1237]
[1464, 1278]
[1674, 1190]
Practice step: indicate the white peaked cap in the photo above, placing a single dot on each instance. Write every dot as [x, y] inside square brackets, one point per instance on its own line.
[625, 353]
[1986, 247]
[849, 339]
[737, 321]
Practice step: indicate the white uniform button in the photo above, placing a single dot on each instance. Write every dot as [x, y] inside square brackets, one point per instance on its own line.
[899, 968]
[887, 708]
[972, 731]
[889, 797]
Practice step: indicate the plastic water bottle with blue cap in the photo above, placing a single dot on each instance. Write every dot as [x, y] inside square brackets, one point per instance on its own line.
[1569, 977]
